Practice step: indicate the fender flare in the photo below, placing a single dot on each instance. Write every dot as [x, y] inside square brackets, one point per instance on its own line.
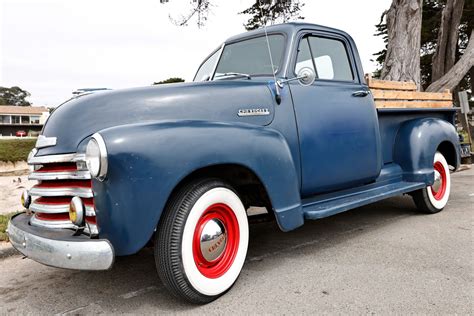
[147, 161]
[416, 144]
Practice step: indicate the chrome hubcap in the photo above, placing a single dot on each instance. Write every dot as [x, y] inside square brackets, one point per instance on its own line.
[213, 239]
[437, 181]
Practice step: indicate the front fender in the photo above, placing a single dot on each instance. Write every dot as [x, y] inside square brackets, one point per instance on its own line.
[147, 161]
[416, 144]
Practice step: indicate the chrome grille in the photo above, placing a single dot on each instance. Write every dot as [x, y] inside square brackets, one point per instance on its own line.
[60, 178]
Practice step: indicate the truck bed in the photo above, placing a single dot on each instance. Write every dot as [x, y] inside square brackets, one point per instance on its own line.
[395, 94]
[390, 119]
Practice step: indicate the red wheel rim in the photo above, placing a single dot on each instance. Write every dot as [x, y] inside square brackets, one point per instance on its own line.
[217, 267]
[439, 194]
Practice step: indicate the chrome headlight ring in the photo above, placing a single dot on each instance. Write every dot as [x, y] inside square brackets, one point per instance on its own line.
[96, 157]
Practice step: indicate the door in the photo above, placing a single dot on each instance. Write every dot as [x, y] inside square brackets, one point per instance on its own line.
[337, 121]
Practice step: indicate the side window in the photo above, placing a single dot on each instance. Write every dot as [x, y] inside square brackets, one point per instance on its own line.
[328, 57]
[205, 71]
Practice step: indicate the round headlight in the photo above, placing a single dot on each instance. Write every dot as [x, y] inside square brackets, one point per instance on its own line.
[25, 199]
[76, 211]
[96, 157]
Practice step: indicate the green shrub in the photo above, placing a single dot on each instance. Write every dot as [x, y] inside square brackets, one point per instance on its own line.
[3, 225]
[16, 149]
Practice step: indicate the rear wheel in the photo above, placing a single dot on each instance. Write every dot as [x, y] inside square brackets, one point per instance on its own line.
[201, 241]
[434, 198]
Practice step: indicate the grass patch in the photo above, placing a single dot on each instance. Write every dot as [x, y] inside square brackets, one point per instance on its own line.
[3, 225]
[16, 149]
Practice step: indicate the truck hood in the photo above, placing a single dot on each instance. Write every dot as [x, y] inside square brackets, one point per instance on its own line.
[79, 118]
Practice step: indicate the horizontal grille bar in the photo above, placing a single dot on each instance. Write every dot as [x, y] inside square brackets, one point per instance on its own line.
[35, 221]
[61, 191]
[58, 167]
[56, 159]
[90, 228]
[60, 175]
[57, 208]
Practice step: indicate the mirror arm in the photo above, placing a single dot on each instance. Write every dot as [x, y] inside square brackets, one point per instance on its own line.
[281, 82]
[279, 85]
[304, 74]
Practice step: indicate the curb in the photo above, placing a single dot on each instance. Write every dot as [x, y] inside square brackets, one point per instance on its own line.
[14, 173]
[7, 251]
[464, 167]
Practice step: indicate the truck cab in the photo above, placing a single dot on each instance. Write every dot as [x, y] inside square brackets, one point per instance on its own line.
[280, 118]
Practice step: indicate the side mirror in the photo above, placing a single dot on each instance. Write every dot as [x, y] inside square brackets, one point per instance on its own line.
[306, 76]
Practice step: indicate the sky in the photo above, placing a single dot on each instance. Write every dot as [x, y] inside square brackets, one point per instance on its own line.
[53, 47]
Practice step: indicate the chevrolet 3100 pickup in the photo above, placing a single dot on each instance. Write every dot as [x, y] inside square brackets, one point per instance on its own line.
[280, 118]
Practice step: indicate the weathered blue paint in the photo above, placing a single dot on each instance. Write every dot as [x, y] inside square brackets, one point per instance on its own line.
[143, 173]
[416, 143]
[321, 151]
[213, 101]
[343, 129]
[323, 207]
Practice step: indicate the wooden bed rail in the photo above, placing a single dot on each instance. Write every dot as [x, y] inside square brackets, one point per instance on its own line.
[395, 94]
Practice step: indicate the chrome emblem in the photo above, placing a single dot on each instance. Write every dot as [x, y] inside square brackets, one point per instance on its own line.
[253, 112]
[44, 141]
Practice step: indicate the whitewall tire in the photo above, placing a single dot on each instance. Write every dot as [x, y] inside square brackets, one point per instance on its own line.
[202, 241]
[434, 198]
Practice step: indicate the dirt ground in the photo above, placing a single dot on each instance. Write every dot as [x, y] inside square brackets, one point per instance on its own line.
[11, 188]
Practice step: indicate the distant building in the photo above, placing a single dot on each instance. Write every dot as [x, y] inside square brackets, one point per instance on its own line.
[14, 120]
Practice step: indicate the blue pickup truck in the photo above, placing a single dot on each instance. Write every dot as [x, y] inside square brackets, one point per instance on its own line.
[280, 118]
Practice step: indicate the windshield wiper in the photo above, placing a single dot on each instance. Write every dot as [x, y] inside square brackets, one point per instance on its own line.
[235, 74]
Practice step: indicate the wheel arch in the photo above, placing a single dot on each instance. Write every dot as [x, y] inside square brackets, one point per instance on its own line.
[247, 184]
[448, 150]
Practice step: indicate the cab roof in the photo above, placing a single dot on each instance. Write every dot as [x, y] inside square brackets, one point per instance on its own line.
[289, 29]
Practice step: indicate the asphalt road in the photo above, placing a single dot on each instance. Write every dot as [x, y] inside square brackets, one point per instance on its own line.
[382, 258]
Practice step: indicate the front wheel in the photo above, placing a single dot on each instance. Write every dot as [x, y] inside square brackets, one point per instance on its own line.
[434, 198]
[201, 241]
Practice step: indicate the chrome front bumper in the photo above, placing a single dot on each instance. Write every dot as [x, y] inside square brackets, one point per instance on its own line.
[59, 248]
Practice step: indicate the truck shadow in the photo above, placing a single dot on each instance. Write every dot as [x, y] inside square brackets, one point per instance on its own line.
[133, 281]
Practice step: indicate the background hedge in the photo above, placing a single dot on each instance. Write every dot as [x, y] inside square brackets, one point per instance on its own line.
[16, 149]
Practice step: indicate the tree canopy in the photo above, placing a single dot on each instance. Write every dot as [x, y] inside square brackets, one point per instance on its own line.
[431, 22]
[261, 12]
[274, 11]
[14, 96]
[169, 80]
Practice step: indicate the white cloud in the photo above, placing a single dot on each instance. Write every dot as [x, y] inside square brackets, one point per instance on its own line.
[52, 47]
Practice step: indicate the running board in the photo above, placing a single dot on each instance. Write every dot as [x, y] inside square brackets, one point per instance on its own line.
[327, 205]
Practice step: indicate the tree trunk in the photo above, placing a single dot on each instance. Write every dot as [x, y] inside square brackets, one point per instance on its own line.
[445, 54]
[402, 62]
[452, 78]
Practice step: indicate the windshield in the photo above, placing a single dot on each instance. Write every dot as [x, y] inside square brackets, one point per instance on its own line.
[205, 71]
[251, 56]
[246, 58]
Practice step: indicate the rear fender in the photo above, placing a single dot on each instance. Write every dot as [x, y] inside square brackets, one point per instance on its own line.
[416, 144]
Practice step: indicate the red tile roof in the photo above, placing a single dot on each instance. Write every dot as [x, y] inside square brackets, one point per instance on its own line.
[10, 109]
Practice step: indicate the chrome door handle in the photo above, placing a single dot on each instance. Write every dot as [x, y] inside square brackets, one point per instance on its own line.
[361, 93]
